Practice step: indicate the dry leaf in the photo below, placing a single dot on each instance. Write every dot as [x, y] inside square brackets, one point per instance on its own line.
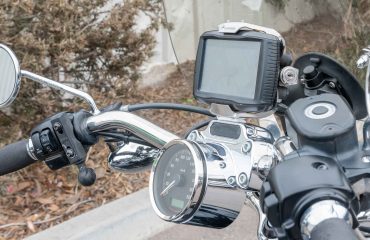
[45, 200]
[38, 191]
[100, 172]
[33, 218]
[73, 199]
[19, 201]
[21, 186]
[30, 226]
[53, 207]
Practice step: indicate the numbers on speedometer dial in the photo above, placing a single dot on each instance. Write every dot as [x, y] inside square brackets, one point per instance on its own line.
[175, 180]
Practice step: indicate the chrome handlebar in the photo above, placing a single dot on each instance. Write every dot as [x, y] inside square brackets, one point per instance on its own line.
[142, 128]
[257, 140]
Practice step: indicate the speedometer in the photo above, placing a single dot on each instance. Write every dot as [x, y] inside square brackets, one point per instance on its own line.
[189, 185]
[178, 181]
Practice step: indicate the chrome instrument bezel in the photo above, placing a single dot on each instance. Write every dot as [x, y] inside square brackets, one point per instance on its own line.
[199, 183]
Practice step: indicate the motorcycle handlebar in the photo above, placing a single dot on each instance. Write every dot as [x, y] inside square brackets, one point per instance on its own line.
[140, 127]
[333, 229]
[14, 157]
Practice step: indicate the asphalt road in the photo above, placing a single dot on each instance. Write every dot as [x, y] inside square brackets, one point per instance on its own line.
[244, 227]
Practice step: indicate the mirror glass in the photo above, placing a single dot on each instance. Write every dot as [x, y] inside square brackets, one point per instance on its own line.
[9, 76]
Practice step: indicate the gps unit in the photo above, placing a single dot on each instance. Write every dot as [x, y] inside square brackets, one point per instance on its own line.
[239, 68]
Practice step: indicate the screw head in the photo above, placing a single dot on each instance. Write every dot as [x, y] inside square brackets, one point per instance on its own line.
[243, 179]
[231, 180]
[332, 85]
[69, 152]
[192, 136]
[320, 166]
[222, 165]
[58, 127]
[246, 147]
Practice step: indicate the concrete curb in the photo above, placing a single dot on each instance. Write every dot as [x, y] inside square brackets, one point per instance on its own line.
[130, 217]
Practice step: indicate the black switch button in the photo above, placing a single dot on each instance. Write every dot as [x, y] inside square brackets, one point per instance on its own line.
[37, 145]
[47, 141]
[310, 72]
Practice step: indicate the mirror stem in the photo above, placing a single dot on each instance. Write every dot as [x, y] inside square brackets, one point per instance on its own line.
[62, 87]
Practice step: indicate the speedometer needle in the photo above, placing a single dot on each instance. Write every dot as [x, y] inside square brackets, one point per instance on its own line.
[165, 191]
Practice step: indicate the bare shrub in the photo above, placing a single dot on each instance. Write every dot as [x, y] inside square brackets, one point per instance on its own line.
[80, 42]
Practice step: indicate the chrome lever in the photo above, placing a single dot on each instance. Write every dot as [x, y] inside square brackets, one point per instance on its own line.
[363, 61]
[261, 216]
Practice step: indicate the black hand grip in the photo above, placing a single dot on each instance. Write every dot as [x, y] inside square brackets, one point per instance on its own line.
[14, 157]
[333, 229]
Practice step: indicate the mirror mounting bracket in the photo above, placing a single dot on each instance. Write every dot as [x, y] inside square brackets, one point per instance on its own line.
[62, 87]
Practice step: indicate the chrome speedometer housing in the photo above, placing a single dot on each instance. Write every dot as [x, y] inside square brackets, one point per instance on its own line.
[212, 201]
[197, 187]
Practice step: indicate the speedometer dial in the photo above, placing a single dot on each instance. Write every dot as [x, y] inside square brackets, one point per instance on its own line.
[177, 182]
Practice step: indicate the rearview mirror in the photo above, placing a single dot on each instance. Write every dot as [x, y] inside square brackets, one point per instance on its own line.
[10, 79]
[10, 76]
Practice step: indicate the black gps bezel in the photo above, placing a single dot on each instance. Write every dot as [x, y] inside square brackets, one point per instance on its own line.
[267, 74]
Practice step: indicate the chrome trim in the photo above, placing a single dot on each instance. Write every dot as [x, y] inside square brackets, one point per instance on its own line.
[289, 76]
[362, 62]
[262, 219]
[31, 150]
[62, 87]
[17, 82]
[234, 27]
[132, 157]
[197, 194]
[140, 127]
[364, 216]
[271, 124]
[252, 154]
[285, 145]
[367, 87]
[221, 111]
[320, 211]
[216, 202]
[364, 59]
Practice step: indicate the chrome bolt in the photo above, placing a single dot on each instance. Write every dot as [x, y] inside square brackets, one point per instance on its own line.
[69, 152]
[243, 179]
[192, 136]
[246, 147]
[231, 180]
[332, 85]
[222, 165]
[250, 131]
[58, 127]
[320, 166]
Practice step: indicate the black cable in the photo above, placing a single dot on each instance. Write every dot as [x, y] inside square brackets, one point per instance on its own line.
[198, 126]
[174, 106]
[170, 36]
[125, 138]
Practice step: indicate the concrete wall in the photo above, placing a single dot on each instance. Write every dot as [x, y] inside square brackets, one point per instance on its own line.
[190, 18]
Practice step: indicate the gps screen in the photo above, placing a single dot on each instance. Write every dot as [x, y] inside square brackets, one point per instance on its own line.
[230, 67]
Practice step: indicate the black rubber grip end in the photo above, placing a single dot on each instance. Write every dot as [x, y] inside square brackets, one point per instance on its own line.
[14, 157]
